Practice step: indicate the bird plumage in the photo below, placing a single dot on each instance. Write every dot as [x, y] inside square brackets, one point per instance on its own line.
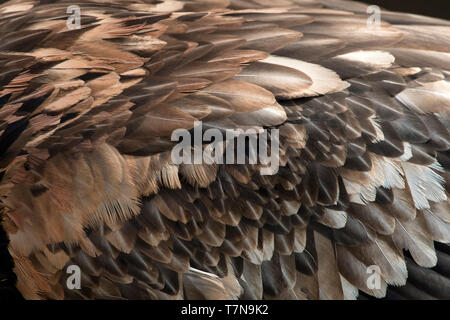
[87, 178]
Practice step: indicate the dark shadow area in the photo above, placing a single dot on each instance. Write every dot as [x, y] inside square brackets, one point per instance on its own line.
[8, 279]
[432, 8]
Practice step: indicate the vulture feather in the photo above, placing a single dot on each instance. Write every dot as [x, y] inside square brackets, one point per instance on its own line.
[87, 176]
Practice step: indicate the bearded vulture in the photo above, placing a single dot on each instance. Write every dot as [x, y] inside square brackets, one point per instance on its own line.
[91, 92]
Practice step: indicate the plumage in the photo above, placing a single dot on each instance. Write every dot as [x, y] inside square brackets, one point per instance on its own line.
[87, 176]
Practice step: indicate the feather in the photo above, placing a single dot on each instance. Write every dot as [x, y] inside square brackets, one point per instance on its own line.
[267, 39]
[252, 278]
[247, 96]
[429, 98]
[425, 184]
[330, 287]
[87, 175]
[385, 255]
[421, 58]
[439, 230]
[354, 271]
[353, 29]
[311, 48]
[411, 235]
[432, 283]
[334, 219]
[323, 80]
[283, 82]
[267, 117]
[350, 292]
[359, 63]
[374, 217]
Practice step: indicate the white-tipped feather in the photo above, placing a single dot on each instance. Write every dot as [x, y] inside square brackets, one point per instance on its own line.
[390, 260]
[334, 219]
[439, 230]
[430, 97]
[376, 124]
[407, 154]
[412, 236]
[324, 80]
[200, 285]
[350, 291]
[385, 172]
[376, 60]
[368, 193]
[393, 174]
[425, 184]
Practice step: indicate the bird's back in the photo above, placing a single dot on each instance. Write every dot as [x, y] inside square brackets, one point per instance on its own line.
[353, 102]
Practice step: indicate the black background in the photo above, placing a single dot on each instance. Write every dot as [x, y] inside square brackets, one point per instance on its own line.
[435, 8]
